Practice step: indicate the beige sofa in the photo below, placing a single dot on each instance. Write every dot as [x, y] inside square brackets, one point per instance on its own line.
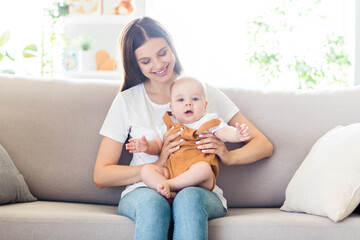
[49, 127]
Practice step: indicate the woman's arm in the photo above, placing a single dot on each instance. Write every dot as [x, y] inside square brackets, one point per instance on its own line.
[258, 147]
[107, 172]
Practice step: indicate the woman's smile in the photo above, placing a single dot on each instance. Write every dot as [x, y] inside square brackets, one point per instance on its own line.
[162, 72]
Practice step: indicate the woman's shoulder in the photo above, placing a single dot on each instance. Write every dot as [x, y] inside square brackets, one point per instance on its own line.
[132, 92]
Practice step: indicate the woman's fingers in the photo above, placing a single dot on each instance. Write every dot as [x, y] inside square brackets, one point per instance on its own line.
[174, 146]
[169, 138]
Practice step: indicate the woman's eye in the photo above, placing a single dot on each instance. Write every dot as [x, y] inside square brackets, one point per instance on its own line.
[145, 62]
[162, 53]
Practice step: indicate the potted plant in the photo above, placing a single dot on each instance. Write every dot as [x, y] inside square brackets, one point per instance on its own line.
[86, 57]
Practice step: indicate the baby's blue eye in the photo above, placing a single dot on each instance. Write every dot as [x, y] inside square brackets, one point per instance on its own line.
[180, 100]
[195, 99]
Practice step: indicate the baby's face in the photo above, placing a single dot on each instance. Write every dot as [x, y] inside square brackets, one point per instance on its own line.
[188, 103]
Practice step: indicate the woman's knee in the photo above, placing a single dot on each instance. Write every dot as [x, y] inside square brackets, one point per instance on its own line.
[145, 202]
[149, 210]
[189, 198]
[154, 204]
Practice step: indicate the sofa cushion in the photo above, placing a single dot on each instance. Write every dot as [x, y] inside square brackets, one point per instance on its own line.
[293, 120]
[60, 220]
[13, 188]
[273, 224]
[50, 127]
[328, 181]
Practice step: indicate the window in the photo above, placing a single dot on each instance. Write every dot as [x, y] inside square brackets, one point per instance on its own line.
[278, 44]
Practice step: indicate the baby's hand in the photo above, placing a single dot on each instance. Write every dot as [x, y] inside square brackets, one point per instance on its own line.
[242, 132]
[137, 145]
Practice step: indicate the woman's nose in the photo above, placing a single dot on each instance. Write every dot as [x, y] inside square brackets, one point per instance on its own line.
[157, 64]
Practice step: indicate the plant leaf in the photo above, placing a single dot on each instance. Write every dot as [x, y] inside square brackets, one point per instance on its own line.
[1, 57]
[8, 71]
[30, 51]
[4, 38]
[11, 58]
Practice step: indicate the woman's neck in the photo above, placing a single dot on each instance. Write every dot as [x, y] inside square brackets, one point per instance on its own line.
[158, 92]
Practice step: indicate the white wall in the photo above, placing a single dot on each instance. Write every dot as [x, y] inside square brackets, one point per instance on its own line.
[357, 45]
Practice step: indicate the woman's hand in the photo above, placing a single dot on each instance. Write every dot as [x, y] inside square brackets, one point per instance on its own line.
[211, 144]
[169, 146]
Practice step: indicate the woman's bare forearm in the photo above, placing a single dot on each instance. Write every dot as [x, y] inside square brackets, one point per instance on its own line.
[254, 150]
[258, 147]
[116, 175]
[107, 172]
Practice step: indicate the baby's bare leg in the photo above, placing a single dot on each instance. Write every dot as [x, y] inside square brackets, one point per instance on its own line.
[199, 174]
[153, 175]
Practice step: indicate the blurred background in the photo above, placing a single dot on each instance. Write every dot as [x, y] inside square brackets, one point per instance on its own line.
[280, 44]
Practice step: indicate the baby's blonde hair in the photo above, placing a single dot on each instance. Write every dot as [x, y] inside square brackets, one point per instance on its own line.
[183, 77]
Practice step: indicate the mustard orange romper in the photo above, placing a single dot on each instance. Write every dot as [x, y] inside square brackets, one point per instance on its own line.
[188, 154]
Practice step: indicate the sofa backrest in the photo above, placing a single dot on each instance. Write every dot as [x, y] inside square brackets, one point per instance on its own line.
[50, 128]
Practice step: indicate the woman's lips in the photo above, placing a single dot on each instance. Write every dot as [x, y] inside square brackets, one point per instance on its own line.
[162, 72]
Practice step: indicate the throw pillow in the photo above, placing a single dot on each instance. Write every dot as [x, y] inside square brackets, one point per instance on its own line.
[328, 181]
[12, 184]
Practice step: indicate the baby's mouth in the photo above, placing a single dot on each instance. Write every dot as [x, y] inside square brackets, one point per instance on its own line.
[188, 112]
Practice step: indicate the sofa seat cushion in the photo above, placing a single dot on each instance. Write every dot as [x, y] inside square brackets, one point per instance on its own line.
[271, 223]
[61, 220]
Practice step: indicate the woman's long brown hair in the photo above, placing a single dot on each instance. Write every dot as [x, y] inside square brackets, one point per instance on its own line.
[133, 36]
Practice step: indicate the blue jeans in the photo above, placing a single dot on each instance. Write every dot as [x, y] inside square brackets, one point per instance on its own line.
[152, 214]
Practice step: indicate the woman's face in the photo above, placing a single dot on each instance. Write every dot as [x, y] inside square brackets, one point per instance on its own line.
[156, 60]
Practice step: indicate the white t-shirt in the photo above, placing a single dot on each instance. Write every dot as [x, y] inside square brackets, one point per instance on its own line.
[132, 112]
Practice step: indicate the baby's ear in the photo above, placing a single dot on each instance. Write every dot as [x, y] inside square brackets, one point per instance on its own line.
[206, 103]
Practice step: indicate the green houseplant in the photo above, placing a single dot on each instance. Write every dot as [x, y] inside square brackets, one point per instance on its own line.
[28, 51]
[322, 63]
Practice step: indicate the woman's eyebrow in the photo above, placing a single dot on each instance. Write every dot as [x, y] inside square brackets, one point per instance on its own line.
[162, 49]
[145, 58]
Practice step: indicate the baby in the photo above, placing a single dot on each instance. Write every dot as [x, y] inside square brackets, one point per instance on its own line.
[188, 166]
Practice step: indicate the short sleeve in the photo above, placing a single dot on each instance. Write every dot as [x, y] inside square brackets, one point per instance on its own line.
[220, 104]
[161, 130]
[116, 124]
[210, 116]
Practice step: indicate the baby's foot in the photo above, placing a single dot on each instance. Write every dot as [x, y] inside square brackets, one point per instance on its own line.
[164, 189]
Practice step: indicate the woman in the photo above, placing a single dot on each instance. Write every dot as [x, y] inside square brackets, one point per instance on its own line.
[150, 66]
